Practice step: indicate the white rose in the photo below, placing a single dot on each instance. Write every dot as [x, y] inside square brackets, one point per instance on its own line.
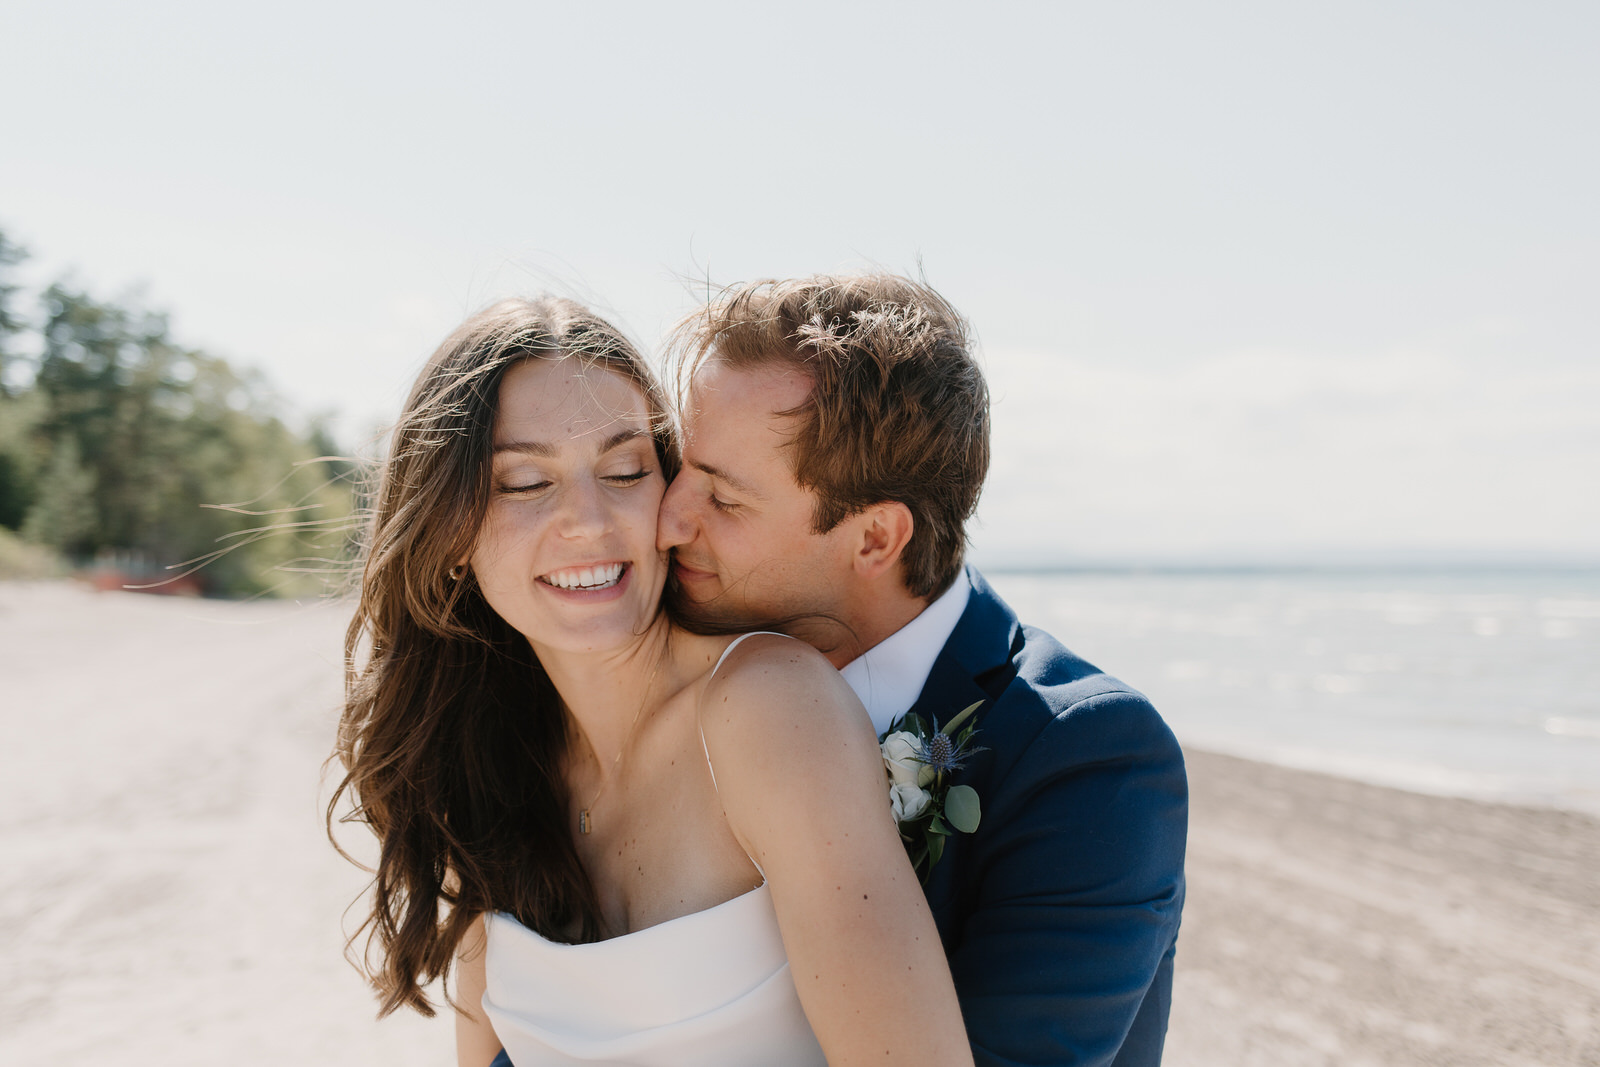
[899, 755]
[908, 801]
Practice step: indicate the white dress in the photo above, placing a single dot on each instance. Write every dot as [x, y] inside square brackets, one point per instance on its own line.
[709, 989]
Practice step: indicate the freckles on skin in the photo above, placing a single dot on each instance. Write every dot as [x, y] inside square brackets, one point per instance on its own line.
[576, 483]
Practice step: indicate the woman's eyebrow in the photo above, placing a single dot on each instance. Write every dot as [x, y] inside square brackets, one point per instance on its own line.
[541, 449]
[526, 448]
[622, 437]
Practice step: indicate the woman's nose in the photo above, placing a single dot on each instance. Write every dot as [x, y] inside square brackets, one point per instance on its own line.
[583, 511]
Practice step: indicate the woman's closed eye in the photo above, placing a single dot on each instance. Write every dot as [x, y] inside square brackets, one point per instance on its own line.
[629, 478]
[525, 487]
[517, 486]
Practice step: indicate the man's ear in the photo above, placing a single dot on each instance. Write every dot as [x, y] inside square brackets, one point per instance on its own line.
[884, 530]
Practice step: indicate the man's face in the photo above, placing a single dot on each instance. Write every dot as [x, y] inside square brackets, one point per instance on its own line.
[739, 524]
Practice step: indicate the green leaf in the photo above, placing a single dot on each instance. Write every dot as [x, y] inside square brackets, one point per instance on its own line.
[961, 808]
[937, 826]
[914, 723]
[935, 850]
[961, 717]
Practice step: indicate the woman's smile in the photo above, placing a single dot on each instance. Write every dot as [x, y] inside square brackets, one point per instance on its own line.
[589, 580]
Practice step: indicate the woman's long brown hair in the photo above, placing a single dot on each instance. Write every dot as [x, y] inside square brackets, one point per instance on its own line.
[452, 736]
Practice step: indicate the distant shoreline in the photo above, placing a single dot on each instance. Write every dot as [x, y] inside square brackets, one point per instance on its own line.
[1443, 568]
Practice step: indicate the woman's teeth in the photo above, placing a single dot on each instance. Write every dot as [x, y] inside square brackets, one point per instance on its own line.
[586, 577]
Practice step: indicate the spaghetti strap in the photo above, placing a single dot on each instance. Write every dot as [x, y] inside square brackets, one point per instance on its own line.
[735, 644]
[731, 646]
[703, 746]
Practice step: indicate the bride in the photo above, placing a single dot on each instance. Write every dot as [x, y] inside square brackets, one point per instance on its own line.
[627, 843]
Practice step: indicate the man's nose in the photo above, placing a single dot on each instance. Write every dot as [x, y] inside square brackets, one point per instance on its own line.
[674, 527]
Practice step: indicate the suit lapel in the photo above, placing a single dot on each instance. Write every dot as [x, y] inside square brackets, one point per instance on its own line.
[975, 664]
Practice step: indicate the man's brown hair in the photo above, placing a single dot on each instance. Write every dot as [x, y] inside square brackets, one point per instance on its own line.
[898, 408]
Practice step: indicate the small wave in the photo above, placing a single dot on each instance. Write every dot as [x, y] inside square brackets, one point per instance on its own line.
[1552, 608]
[1568, 727]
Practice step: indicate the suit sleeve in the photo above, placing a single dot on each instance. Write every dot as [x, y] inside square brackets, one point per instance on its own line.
[1075, 908]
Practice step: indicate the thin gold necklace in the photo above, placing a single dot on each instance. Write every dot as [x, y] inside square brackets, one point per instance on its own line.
[585, 824]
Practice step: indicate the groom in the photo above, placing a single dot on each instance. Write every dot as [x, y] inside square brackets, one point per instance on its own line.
[836, 438]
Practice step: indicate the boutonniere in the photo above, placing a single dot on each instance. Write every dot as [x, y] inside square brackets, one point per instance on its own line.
[920, 760]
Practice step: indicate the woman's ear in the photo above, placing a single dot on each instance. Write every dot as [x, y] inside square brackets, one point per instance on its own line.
[884, 530]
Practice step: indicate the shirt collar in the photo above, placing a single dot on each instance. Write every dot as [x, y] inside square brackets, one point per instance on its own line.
[888, 677]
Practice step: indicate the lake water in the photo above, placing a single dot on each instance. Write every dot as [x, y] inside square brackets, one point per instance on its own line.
[1474, 683]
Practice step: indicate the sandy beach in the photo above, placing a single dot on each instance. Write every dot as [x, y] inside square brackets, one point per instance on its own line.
[168, 895]
[1332, 922]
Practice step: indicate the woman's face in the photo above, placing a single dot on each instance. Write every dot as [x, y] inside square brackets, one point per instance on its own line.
[567, 552]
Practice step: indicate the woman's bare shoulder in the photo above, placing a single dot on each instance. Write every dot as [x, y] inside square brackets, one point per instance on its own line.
[772, 676]
[776, 706]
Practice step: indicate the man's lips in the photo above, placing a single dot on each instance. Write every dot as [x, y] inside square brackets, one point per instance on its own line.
[686, 573]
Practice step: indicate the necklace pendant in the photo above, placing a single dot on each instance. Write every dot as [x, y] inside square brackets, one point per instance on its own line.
[583, 821]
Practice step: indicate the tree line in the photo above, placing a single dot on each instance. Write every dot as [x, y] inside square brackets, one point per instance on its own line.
[124, 450]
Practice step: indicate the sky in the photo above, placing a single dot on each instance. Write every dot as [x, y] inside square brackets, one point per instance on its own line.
[1253, 282]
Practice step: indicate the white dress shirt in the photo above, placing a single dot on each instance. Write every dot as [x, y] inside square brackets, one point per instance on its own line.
[889, 676]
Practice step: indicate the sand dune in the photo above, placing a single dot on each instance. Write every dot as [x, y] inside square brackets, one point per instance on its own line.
[168, 895]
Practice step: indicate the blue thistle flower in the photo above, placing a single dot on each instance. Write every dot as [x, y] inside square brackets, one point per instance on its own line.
[941, 755]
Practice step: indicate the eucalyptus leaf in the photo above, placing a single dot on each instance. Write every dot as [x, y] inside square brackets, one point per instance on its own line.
[937, 826]
[935, 850]
[961, 717]
[961, 808]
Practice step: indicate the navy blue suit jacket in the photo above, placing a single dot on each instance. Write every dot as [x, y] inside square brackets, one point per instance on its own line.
[1060, 913]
